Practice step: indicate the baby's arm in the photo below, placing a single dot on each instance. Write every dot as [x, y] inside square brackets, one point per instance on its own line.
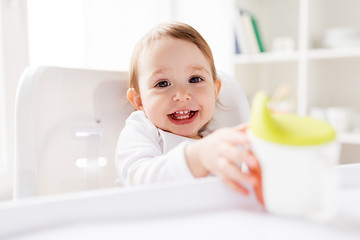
[220, 154]
[140, 158]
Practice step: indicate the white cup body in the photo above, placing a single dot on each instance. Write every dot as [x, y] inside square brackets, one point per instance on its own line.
[298, 180]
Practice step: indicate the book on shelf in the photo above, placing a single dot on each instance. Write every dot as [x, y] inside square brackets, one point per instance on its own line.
[247, 35]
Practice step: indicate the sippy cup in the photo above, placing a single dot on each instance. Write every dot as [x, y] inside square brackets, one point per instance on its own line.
[298, 156]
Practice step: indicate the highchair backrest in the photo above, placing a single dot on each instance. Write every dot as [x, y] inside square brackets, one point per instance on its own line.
[68, 122]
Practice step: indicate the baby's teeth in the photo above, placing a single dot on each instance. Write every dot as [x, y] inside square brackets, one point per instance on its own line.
[183, 112]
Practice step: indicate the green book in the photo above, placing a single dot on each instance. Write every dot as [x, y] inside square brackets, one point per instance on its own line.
[257, 33]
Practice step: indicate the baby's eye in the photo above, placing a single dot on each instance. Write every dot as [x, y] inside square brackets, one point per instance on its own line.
[162, 84]
[195, 80]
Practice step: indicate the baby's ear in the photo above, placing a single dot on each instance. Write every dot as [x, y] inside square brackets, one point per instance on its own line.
[217, 87]
[134, 98]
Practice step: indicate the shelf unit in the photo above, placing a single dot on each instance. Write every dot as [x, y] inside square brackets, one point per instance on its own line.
[321, 77]
[314, 54]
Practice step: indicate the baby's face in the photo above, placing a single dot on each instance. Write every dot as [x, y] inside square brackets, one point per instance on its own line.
[177, 90]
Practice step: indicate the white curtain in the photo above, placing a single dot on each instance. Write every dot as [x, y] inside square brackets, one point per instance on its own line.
[13, 60]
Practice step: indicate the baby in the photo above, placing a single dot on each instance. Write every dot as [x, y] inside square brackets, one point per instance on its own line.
[174, 88]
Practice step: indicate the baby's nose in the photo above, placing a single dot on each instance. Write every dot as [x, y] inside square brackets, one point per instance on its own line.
[182, 95]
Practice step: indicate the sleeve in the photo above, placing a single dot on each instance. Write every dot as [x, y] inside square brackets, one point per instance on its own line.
[140, 160]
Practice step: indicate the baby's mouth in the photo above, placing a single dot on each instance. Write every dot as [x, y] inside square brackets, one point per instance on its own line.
[182, 115]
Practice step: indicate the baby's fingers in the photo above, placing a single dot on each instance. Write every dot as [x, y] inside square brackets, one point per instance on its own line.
[245, 157]
[232, 174]
[242, 127]
[259, 191]
[254, 169]
[236, 186]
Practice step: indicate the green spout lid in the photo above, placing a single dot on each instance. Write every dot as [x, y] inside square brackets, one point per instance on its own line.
[288, 129]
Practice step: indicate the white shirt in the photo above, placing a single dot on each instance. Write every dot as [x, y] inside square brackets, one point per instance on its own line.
[146, 154]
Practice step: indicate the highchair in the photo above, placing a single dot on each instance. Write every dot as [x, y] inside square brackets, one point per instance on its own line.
[68, 122]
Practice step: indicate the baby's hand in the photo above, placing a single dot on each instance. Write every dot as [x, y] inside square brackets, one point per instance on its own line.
[220, 154]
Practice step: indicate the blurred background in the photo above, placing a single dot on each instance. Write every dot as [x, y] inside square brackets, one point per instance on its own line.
[305, 54]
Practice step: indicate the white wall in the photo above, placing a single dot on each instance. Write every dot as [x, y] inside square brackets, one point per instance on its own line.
[96, 34]
[213, 19]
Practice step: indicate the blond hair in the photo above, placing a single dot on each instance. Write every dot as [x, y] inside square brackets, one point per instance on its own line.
[176, 30]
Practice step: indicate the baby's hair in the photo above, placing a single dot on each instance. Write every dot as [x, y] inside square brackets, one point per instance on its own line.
[176, 30]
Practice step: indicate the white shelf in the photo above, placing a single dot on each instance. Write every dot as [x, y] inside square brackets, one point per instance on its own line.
[349, 138]
[309, 66]
[333, 53]
[266, 57]
[313, 54]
